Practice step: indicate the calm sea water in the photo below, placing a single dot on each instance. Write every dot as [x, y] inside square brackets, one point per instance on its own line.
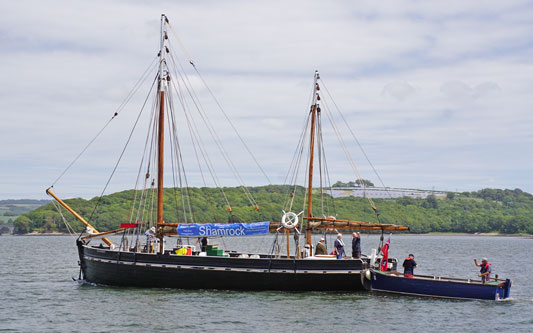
[39, 295]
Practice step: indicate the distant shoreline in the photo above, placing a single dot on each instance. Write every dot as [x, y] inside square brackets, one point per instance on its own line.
[45, 234]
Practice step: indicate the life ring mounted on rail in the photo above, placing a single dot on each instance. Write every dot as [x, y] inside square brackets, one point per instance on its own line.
[289, 220]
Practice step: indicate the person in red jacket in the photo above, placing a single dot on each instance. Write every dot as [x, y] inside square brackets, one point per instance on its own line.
[486, 269]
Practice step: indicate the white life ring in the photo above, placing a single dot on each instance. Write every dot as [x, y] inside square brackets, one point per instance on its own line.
[289, 220]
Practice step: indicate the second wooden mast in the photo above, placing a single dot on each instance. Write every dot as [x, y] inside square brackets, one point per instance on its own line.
[315, 109]
[330, 222]
[162, 84]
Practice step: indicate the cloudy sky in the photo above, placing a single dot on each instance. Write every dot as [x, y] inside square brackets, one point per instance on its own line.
[438, 93]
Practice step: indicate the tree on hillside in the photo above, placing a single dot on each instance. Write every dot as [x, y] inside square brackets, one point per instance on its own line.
[364, 182]
[405, 201]
[430, 202]
[339, 184]
[358, 182]
[22, 225]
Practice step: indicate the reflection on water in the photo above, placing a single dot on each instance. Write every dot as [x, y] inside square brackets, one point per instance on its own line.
[38, 293]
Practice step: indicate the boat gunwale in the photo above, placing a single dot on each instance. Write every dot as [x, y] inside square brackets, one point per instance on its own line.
[435, 278]
[108, 250]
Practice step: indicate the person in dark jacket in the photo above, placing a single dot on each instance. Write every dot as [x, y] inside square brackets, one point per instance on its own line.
[203, 243]
[409, 265]
[339, 247]
[356, 245]
[486, 269]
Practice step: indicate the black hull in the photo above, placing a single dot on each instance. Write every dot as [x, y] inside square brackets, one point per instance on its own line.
[108, 267]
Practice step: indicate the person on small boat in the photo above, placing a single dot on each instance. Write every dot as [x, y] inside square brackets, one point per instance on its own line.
[321, 247]
[339, 247]
[409, 265]
[486, 269]
[356, 245]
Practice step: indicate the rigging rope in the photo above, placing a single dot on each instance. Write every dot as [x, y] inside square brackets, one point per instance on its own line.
[328, 186]
[174, 161]
[115, 114]
[214, 135]
[355, 139]
[123, 150]
[182, 180]
[324, 169]
[197, 146]
[70, 229]
[348, 156]
[342, 144]
[297, 160]
[295, 165]
[152, 124]
[175, 35]
[320, 152]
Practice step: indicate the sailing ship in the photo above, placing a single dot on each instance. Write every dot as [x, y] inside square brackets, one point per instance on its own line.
[157, 264]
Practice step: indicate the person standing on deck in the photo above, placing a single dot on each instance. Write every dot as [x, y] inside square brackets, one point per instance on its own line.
[203, 243]
[321, 247]
[150, 239]
[339, 247]
[356, 245]
[409, 265]
[486, 269]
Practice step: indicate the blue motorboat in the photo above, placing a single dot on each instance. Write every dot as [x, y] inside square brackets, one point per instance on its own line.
[436, 286]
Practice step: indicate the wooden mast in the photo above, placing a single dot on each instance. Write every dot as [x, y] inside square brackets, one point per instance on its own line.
[161, 133]
[330, 223]
[314, 110]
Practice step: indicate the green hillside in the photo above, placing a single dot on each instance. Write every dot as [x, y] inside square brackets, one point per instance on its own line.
[488, 210]
[11, 209]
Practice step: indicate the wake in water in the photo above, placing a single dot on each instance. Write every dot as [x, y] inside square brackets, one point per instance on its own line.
[82, 282]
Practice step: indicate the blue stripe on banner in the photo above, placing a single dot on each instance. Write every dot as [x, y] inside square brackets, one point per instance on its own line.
[220, 229]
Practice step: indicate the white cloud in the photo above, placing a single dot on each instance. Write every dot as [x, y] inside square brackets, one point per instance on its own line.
[398, 90]
[438, 93]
